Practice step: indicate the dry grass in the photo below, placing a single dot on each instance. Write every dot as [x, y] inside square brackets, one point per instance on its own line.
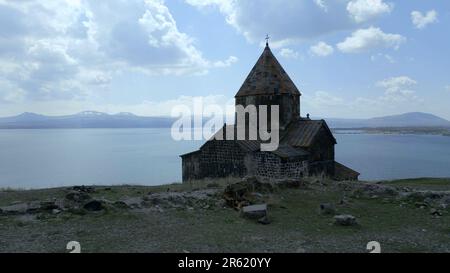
[205, 183]
[296, 225]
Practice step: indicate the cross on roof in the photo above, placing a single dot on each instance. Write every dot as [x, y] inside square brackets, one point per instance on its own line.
[267, 40]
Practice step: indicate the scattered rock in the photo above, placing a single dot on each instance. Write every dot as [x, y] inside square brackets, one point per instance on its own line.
[435, 212]
[420, 205]
[157, 208]
[120, 204]
[257, 194]
[239, 194]
[344, 202]
[327, 209]
[15, 209]
[56, 211]
[133, 202]
[264, 220]
[48, 206]
[345, 220]
[254, 211]
[423, 196]
[347, 186]
[34, 207]
[29, 208]
[199, 199]
[221, 203]
[445, 200]
[77, 196]
[371, 190]
[429, 201]
[94, 205]
[83, 189]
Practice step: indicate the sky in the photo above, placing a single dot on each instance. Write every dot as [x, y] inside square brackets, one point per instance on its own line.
[349, 58]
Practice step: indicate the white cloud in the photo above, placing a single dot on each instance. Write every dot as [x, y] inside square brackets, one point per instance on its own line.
[228, 62]
[145, 37]
[365, 39]
[365, 10]
[164, 108]
[144, 108]
[288, 53]
[398, 89]
[420, 20]
[10, 93]
[398, 96]
[325, 99]
[381, 56]
[389, 58]
[287, 21]
[68, 49]
[321, 49]
[327, 105]
[321, 4]
[395, 83]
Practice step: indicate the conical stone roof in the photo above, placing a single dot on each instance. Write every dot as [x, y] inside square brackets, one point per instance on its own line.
[267, 78]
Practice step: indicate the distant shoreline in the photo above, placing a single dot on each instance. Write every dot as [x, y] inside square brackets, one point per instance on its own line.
[93, 119]
[180, 184]
[437, 131]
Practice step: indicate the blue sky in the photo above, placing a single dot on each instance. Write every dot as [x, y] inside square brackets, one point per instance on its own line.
[349, 58]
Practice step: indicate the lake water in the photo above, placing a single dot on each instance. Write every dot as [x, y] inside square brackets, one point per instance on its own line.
[62, 157]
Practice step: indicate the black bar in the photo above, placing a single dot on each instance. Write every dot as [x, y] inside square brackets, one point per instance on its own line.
[239, 262]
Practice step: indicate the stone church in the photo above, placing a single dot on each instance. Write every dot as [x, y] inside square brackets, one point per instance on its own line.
[306, 146]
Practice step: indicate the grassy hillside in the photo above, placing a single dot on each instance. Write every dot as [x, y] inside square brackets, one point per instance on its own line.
[296, 226]
[422, 183]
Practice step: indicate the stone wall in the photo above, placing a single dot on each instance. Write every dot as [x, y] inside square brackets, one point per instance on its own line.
[266, 164]
[322, 148]
[215, 159]
[226, 158]
[326, 168]
[191, 166]
[289, 106]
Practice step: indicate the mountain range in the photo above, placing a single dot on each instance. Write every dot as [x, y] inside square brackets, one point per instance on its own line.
[413, 119]
[86, 119]
[93, 119]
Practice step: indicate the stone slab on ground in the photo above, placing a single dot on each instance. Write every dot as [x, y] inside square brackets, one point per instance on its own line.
[254, 211]
[345, 220]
